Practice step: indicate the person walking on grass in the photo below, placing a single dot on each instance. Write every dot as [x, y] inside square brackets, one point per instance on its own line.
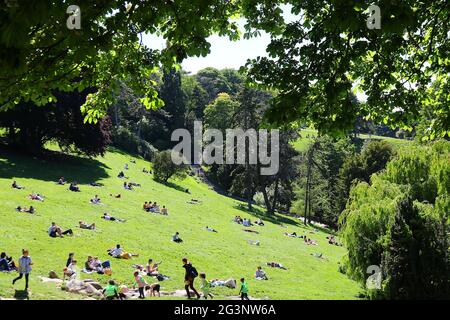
[141, 283]
[205, 286]
[25, 264]
[244, 290]
[189, 277]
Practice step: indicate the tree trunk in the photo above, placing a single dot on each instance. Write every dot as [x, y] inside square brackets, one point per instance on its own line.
[275, 195]
[266, 200]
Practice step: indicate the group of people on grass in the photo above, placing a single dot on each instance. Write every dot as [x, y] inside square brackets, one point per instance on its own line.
[154, 207]
[93, 264]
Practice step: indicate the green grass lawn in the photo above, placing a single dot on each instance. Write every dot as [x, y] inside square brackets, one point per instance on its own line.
[222, 255]
[307, 134]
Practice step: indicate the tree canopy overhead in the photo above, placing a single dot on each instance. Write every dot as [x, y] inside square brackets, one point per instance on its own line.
[40, 54]
[317, 59]
[327, 50]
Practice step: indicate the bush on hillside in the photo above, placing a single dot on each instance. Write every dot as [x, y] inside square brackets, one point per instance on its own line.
[164, 168]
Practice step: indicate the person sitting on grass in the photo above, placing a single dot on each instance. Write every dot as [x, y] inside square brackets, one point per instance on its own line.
[210, 229]
[6, 263]
[95, 200]
[54, 230]
[36, 196]
[205, 286]
[84, 225]
[70, 271]
[145, 206]
[16, 186]
[141, 283]
[247, 223]
[111, 291]
[121, 175]
[127, 186]
[70, 259]
[176, 238]
[145, 170]
[164, 211]
[106, 216]
[74, 187]
[260, 274]
[243, 292]
[152, 268]
[61, 181]
[155, 208]
[119, 253]
[276, 265]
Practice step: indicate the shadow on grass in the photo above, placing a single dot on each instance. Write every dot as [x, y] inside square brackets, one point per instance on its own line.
[173, 186]
[273, 218]
[49, 167]
[21, 295]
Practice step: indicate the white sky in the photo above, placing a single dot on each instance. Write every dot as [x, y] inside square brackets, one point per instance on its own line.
[225, 53]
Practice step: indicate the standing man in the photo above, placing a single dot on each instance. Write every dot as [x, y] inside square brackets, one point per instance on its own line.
[25, 264]
[191, 274]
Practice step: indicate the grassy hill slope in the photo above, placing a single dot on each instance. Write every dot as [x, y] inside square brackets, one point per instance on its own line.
[222, 255]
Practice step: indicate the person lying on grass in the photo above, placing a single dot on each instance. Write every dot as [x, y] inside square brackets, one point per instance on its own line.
[260, 274]
[74, 187]
[54, 230]
[210, 229]
[176, 237]
[7, 263]
[252, 231]
[117, 196]
[96, 184]
[24, 209]
[134, 184]
[111, 218]
[95, 200]
[36, 196]
[16, 186]
[61, 181]
[259, 222]
[293, 234]
[85, 225]
[119, 253]
[276, 265]
[310, 242]
[253, 243]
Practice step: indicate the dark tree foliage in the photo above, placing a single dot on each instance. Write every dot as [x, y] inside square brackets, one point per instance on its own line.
[416, 259]
[30, 127]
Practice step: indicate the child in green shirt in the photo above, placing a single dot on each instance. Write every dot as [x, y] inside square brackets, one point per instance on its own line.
[244, 290]
[205, 286]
